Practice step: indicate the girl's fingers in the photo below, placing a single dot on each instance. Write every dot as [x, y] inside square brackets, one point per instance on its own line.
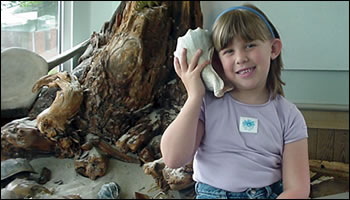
[177, 66]
[194, 61]
[201, 66]
[183, 60]
[181, 64]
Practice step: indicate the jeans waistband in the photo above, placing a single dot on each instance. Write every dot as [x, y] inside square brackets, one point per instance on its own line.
[206, 191]
[267, 190]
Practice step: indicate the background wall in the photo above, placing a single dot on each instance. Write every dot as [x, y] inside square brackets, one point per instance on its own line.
[89, 16]
[82, 19]
[315, 34]
[315, 38]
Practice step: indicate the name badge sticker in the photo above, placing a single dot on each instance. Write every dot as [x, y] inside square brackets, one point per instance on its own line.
[248, 125]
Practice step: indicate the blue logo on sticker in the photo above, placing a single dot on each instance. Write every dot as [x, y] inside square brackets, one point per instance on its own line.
[248, 124]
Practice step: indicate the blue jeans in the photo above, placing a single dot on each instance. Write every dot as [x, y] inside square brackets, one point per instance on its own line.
[204, 191]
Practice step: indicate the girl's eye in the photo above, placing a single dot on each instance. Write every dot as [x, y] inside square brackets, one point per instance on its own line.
[251, 46]
[228, 51]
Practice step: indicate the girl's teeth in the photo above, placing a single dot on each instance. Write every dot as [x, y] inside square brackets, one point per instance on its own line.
[245, 71]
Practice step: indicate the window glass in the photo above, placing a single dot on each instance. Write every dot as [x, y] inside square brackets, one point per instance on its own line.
[32, 25]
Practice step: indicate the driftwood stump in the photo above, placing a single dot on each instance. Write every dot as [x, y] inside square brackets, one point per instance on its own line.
[131, 74]
[130, 91]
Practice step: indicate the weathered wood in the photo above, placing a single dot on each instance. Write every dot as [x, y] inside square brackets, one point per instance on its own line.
[152, 151]
[155, 169]
[338, 174]
[336, 169]
[180, 178]
[95, 141]
[92, 164]
[128, 81]
[66, 104]
[335, 166]
[129, 72]
[21, 138]
[167, 178]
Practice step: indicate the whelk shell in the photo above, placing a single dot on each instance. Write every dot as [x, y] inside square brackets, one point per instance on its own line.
[200, 39]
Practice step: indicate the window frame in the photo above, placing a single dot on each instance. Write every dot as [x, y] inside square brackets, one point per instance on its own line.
[66, 32]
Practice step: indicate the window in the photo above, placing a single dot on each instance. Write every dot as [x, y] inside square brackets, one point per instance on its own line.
[32, 25]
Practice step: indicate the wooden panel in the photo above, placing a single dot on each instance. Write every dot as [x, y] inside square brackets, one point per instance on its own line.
[341, 146]
[312, 143]
[325, 144]
[326, 119]
[328, 134]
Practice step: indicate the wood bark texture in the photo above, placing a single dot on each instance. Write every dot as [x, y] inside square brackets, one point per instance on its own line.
[129, 92]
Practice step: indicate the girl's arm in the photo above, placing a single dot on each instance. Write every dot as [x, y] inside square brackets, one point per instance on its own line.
[181, 139]
[295, 169]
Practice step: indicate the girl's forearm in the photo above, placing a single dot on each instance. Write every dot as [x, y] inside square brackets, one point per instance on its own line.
[178, 140]
[302, 193]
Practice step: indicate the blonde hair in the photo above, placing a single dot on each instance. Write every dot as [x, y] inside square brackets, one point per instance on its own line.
[248, 26]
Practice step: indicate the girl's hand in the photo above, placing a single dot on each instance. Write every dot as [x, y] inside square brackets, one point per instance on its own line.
[191, 74]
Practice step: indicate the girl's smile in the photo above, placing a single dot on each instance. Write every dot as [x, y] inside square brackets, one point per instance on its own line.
[246, 64]
[246, 72]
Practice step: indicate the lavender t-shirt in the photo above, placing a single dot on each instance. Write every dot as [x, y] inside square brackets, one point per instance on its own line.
[242, 145]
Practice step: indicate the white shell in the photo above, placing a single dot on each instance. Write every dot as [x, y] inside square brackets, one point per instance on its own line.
[200, 39]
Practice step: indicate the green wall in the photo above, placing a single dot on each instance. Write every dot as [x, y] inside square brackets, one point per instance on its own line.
[316, 87]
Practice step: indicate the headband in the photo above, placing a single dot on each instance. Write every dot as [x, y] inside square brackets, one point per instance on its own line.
[251, 10]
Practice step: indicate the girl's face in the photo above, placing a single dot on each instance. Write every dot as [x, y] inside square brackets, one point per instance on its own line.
[247, 64]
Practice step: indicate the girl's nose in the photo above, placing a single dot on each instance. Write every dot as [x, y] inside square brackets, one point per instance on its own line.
[241, 58]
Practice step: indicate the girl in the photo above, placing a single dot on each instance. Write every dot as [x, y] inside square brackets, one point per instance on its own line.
[252, 142]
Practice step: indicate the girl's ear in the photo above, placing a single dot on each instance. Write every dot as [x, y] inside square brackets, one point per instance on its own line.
[276, 48]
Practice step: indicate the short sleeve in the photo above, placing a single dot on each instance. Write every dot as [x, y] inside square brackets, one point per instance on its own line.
[296, 128]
